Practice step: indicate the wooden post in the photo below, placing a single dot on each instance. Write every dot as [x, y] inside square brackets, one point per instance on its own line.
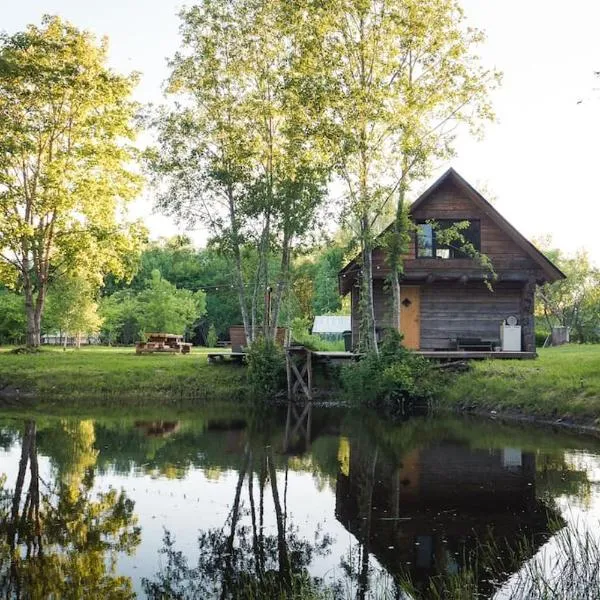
[309, 377]
[527, 318]
[308, 424]
[288, 370]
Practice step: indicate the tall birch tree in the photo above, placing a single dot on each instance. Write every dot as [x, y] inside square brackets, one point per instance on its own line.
[405, 76]
[235, 148]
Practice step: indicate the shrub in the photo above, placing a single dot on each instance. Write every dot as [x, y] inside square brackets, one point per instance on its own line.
[211, 336]
[541, 333]
[266, 367]
[391, 377]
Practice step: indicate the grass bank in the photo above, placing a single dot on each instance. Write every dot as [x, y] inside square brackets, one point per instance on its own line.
[563, 383]
[98, 375]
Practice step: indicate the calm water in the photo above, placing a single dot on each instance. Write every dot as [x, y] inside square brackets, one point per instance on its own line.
[226, 503]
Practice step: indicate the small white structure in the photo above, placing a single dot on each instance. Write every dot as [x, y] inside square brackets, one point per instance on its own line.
[331, 327]
[510, 335]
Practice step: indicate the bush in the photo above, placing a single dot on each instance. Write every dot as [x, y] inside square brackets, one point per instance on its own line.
[211, 336]
[392, 377]
[266, 367]
[541, 333]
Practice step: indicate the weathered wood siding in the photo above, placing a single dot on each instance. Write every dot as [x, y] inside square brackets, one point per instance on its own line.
[451, 203]
[450, 310]
[355, 314]
[469, 310]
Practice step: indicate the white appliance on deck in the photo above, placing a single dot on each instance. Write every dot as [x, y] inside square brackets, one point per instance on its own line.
[510, 335]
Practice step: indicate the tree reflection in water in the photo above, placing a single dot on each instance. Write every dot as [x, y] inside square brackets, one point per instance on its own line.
[58, 539]
[239, 560]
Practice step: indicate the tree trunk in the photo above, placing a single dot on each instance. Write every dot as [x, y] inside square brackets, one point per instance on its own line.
[396, 251]
[527, 317]
[285, 570]
[368, 333]
[281, 284]
[239, 274]
[228, 568]
[33, 315]
[265, 267]
[366, 511]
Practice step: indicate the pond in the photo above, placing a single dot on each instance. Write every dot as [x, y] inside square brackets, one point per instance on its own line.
[301, 502]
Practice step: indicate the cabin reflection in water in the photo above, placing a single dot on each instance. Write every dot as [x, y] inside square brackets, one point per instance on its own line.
[424, 516]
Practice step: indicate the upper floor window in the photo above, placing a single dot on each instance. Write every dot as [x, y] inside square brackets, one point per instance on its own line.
[447, 239]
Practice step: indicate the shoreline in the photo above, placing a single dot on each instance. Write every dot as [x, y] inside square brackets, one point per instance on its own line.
[582, 427]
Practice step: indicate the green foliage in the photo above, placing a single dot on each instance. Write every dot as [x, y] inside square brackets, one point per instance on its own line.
[326, 298]
[159, 307]
[121, 318]
[12, 318]
[266, 368]
[71, 307]
[562, 382]
[211, 337]
[164, 308]
[541, 334]
[391, 377]
[65, 161]
[101, 376]
[573, 302]
[244, 156]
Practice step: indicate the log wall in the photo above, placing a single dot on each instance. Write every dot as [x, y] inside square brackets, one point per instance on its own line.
[470, 310]
[450, 310]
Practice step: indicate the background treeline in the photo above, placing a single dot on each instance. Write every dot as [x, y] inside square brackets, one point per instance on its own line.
[176, 288]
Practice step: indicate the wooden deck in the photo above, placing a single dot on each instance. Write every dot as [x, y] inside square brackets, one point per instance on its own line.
[473, 354]
[431, 354]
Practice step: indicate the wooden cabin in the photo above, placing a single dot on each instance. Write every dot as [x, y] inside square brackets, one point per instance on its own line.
[445, 300]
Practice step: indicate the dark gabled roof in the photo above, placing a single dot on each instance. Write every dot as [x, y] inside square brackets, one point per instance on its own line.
[552, 272]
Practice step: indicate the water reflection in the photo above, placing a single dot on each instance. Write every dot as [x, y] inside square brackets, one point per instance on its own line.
[239, 559]
[264, 503]
[58, 539]
[432, 511]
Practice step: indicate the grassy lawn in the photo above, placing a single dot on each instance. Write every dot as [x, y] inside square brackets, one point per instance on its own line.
[100, 374]
[563, 383]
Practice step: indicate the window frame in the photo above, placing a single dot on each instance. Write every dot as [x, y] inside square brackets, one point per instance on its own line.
[434, 245]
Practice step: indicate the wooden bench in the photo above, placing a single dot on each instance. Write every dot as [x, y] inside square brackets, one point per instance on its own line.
[473, 343]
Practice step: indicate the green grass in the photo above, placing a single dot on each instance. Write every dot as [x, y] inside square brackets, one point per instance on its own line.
[562, 383]
[101, 374]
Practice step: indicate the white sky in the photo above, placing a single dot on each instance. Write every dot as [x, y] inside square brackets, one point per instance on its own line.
[540, 160]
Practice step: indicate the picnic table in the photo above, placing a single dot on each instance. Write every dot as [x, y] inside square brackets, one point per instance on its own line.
[163, 342]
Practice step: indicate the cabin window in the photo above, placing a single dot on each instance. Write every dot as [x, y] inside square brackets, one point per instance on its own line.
[424, 240]
[430, 244]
